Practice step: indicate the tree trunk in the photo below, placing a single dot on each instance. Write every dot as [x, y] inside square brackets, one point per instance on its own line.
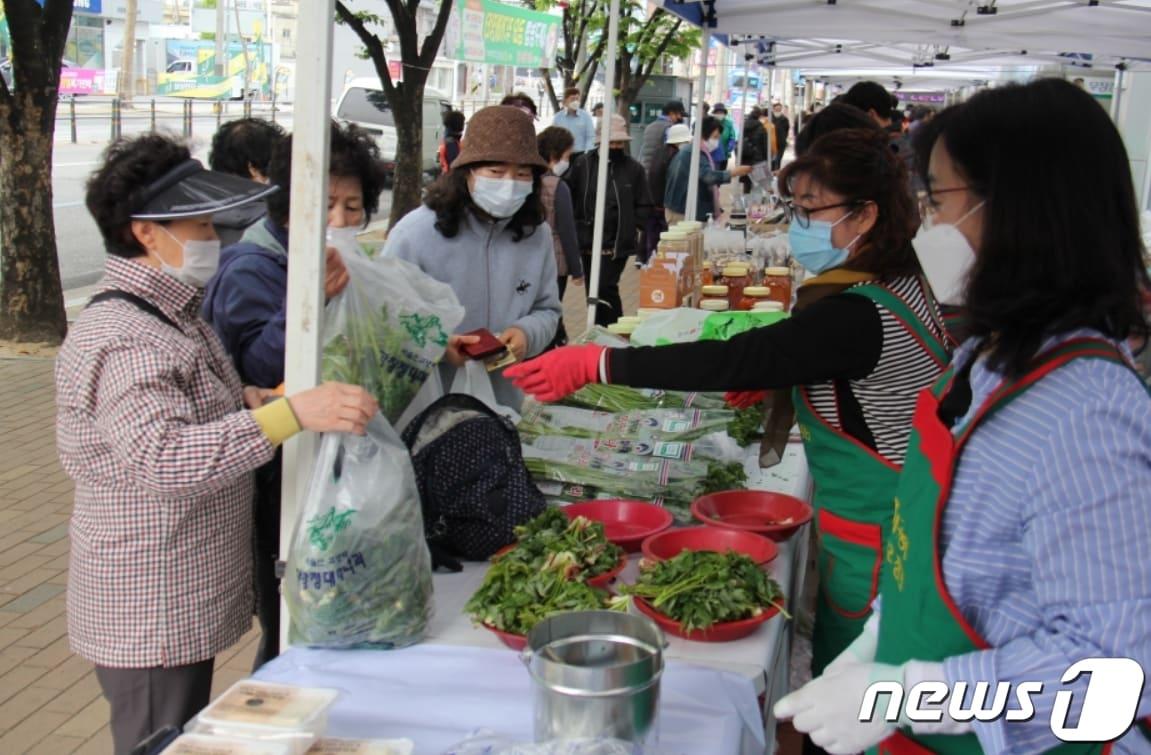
[128, 58]
[32, 308]
[407, 185]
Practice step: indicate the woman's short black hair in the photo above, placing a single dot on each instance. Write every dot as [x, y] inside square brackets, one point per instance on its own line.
[1061, 247]
[111, 192]
[449, 197]
[521, 100]
[353, 154]
[834, 117]
[242, 143]
[858, 164]
[553, 141]
[711, 124]
[869, 95]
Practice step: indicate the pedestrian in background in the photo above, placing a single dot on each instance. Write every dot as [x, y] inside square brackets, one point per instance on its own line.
[757, 141]
[577, 121]
[627, 206]
[524, 102]
[654, 136]
[161, 437]
[243, 148]
[449, 150]
[710, 177]
[727, 140]
[555, 145]
[782, 126]
[678, 136]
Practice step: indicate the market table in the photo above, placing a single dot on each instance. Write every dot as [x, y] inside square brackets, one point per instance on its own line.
[716, 697]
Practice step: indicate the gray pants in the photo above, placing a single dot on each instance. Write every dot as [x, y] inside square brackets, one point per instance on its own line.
[145, 700]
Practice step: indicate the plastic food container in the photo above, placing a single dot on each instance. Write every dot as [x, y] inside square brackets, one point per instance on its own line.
[714, 305]
[624, 330]
[737, 278]
[767, 306]
[204, 744]
[269, 712]
[773, 515]
[753, 295]
[632, 321]
[671, 543]
[363, 747]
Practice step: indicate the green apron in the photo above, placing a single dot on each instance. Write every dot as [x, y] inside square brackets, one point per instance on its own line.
[854, 487]
[920, 620]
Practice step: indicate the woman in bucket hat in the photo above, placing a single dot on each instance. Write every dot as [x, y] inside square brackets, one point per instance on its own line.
[627, 208]
[482, 231]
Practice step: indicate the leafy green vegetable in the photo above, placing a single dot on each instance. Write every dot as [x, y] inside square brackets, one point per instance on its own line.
[747, 426]
[516, 594]
[647, 425]
[621, 399]
[552, 533]
[703, 588]
[722, 477]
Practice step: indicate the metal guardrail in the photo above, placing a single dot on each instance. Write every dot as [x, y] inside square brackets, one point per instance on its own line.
[114, 113]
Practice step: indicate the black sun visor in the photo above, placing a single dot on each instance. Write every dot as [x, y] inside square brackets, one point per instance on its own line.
[189, 190]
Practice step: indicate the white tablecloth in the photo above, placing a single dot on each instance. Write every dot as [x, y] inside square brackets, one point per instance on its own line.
[438, 695]
[462, 678]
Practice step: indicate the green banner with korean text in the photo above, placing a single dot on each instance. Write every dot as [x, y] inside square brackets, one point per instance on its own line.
[487, 31]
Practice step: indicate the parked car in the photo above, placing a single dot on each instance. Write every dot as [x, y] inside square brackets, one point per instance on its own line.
[364, 103]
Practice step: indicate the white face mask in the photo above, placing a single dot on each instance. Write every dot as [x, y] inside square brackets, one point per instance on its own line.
[201, 261]
[713, 144]
[572, 105]
[500, 197]
[946, 258]
[561, 167]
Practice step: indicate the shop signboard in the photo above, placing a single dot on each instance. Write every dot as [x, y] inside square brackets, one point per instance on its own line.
[81, 81]
[486, 31]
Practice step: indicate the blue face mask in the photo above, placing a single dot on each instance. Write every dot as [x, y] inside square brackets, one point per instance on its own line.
[812, 246]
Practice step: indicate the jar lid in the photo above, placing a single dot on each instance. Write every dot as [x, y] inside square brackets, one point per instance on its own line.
[621, 329]
[767, 306]
[633, 321]
[691, 225]
[673, 236]
[757, 291]
[714, 290]
[644, 313]
[778, 272]
[714, 305]
[736, 271]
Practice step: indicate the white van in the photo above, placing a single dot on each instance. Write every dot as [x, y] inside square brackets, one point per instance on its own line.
[365, 104]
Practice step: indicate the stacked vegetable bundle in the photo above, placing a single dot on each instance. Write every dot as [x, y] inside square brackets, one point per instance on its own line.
[547, 571]
[641, 449]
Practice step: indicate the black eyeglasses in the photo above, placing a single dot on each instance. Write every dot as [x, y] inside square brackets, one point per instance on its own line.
[801, 216]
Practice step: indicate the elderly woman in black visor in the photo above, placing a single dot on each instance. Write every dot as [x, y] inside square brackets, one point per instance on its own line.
[161, 439]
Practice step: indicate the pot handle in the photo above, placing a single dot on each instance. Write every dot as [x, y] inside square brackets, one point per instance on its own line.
[526, 656]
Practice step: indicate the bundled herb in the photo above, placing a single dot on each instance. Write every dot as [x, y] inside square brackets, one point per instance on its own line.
[747, 426]
[621, 399]
[702, 588]
[644, 425]
[517, 594]
[722, 477]
[552, 533]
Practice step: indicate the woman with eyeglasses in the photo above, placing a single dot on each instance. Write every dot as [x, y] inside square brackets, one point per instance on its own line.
[1017, 549]
[864, 340]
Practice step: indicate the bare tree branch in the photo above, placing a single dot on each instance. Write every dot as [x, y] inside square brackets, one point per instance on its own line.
[432, 43]
[375, 47]
[660, 50]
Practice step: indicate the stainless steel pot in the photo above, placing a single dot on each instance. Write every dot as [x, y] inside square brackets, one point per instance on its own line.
[596, 675]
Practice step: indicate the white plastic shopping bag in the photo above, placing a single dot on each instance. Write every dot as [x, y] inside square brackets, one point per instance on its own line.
[474, 380]
[359, 573]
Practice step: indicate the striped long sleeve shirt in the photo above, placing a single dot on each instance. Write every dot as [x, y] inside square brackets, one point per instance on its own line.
[1045, 538]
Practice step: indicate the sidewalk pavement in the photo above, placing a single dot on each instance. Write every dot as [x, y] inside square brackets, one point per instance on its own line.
[50, 701]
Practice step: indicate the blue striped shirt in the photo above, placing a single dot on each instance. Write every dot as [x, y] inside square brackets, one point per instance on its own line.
[1046, 538]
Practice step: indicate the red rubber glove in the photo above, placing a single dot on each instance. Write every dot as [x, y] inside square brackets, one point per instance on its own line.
[558, 373]
[744, 399]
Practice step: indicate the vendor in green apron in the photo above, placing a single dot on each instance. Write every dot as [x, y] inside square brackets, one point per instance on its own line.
[865, 338]
[1019, 536]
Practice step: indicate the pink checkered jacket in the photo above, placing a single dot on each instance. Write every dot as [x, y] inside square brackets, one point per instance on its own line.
[150, 425]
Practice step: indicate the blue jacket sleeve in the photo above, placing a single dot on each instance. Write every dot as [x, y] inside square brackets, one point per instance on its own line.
[250, 315]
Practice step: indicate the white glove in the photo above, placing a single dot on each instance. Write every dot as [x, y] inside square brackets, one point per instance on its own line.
[861, 650]
[921, 671]
[827, 708]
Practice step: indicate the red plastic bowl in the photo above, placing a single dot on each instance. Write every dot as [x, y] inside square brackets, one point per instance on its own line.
[723, 632]
[753, 511]
[669, 544]
[601, 580]
[513, 641]
[626, 523]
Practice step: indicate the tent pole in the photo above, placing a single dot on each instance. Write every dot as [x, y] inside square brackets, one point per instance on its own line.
[697, 141]
[305, 303]
[743, 106]
[602, 175]
[1117, 95]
